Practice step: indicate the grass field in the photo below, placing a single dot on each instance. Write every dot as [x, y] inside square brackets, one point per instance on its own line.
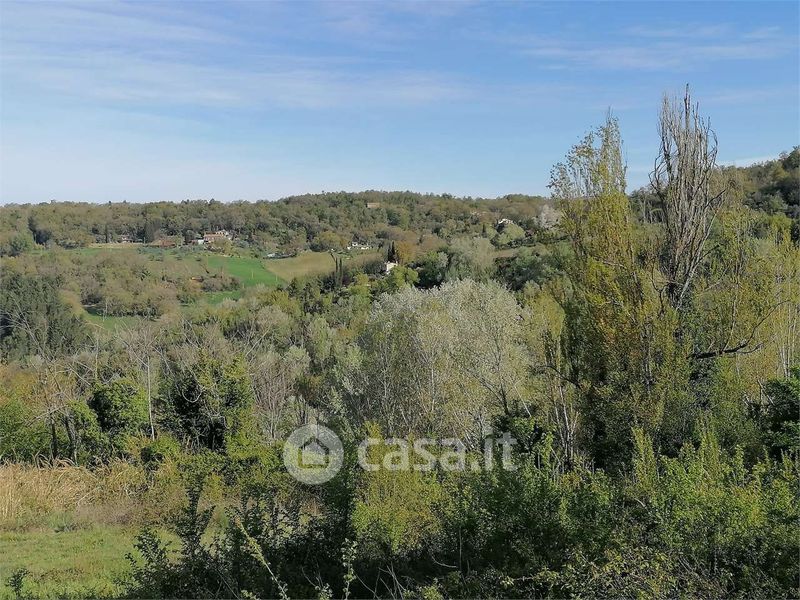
[76, 563]
[71, 527]
[309, 264]
[195, 261]
[249, 270]
[67, 563]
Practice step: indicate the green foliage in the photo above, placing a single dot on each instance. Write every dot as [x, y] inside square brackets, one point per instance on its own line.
[528, 266]
[20, 243]
[151, 569]
[782, 415]
[705, 510]
[163, 448]
[22, 435]
[432, 269]
[34, 320]
[17, 582]
[470, 258]
[121, 409]
[393, 515]
[509, 233]
[327, 240]
[656, 441]
[398, 278]
[773, 186]
[211, 402]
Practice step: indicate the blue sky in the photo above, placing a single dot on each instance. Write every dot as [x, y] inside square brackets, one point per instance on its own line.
[147, 101]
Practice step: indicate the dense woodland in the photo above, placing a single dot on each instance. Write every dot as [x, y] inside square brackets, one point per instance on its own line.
[643, 348]
[317, 222]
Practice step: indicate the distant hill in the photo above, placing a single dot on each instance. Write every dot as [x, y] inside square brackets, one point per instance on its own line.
[312, 221]
[773, 186]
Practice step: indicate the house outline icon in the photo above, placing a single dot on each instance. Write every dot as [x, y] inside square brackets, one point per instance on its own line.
[313, 454]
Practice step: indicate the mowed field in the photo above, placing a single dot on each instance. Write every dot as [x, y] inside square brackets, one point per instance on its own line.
[311, 264]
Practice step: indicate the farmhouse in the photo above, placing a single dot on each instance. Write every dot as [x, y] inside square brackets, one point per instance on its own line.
[165, 243]
[217, 236]
[357, 246]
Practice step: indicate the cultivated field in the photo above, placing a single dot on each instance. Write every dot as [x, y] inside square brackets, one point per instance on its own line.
[309, 264]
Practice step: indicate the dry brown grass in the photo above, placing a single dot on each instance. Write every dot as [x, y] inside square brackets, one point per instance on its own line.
[29, 492]
[33, 496]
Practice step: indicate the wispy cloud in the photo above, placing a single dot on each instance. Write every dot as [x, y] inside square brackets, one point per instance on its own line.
[750, 95]
[746, 162]
[667, 49]
[92, 24]
[118, 77]
[148, 53]
[679, 30]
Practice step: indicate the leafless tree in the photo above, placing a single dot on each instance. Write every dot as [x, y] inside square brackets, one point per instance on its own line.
[275, 379]
[682, 180]
[141, 345]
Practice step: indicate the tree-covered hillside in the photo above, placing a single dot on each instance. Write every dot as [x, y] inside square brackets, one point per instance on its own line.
[602, 405]
[318, 222]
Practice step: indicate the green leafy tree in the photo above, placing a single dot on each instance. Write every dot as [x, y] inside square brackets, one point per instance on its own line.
[509, 233]
[121, 408]
[470, 258]
[620, 339]
[782, 414]
[34, 320]
[210, 402]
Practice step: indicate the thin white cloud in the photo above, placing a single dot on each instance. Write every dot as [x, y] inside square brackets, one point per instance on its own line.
[119, 77]
[746, 162]
[657, 57]
[685, 30]
[666, 49]
[763, 33]
[750, 95]
[91, 24]
[160, 55]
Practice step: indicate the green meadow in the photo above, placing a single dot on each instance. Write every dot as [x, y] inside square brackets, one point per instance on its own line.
[69, 563]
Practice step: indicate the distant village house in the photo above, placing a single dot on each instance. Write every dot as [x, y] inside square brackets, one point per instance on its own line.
[167, 242]
[217, 236]
[357, 246]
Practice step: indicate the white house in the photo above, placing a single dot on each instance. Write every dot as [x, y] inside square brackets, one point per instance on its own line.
[357, 246]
